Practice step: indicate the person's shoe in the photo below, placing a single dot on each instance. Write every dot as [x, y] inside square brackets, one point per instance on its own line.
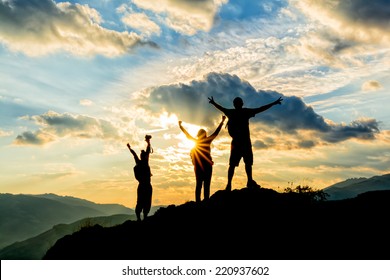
[253, 185]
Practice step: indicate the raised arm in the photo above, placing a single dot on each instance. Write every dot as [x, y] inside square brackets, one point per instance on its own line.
[216, 105]
[266, 107]
[186, 132]
[148, 148]
[216, 132]
[133, 153]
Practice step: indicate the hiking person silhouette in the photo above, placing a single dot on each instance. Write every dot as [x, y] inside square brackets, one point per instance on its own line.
[202, 160]
[142, 174]
[238, 128]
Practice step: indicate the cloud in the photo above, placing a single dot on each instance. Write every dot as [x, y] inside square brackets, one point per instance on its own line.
[139, 21]
[54, 125]
[342, 34]
[374, 13]
[4, 133]
[184, 16]
[142, 23]
[371, 85]
[86, 102]
[189, 103]
[33, 138]
[52, 176]
[354, 20]
[322, 45]
[306, 144]
[364, 129]
[39, 27]
[258, 144]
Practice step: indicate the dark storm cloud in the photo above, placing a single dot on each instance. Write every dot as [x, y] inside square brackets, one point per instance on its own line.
[360, 129]
[373, 12]
[190, 103]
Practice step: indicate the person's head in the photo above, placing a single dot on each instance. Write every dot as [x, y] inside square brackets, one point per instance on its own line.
[238, 103]
[201, 133]
[143, 155]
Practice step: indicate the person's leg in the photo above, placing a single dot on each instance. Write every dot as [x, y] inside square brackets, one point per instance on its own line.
[248, 160]
[148, 201]
[138, 210]
[251, 183]
[248, 170]
[198, 190]
[138, 207]
[230, 177]
[207, 182]
[234, 160]
[199, 181]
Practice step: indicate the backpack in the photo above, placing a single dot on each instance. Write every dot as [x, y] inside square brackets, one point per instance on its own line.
[233, 129]
[137, 172]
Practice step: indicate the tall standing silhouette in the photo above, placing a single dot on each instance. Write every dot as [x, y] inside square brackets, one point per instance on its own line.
[238, 128]
[202, 160]
[142, 174]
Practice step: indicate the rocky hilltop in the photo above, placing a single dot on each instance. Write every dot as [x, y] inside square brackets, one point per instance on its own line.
[244, 224]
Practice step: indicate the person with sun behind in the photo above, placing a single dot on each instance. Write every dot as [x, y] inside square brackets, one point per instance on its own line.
[202, 160]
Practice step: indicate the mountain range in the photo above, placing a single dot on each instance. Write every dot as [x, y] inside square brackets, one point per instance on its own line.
[24, 216]
[352, 187]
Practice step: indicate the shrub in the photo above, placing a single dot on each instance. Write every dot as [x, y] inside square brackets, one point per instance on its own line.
[308, 192]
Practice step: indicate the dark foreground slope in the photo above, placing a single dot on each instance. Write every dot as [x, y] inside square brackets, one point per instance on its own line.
[35, 248]
[244, 224]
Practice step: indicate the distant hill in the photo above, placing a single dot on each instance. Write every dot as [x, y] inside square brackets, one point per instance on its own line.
[106, 209]
[35, 248]
[24, 216]
[243, 224]
[352, 187]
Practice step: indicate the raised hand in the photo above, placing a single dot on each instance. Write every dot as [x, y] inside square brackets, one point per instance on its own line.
[279, 101]
[223, 118]
[211, 99]
[180, 123]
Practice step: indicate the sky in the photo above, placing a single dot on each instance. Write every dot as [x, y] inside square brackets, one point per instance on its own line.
[81, 79]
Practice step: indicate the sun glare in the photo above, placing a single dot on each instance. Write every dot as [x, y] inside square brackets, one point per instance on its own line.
[168, 120]
[171, 120]
[183, 141]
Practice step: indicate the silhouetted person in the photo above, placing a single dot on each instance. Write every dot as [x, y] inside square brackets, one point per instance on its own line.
[142, 174]
[201, 159]
[238, 128]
